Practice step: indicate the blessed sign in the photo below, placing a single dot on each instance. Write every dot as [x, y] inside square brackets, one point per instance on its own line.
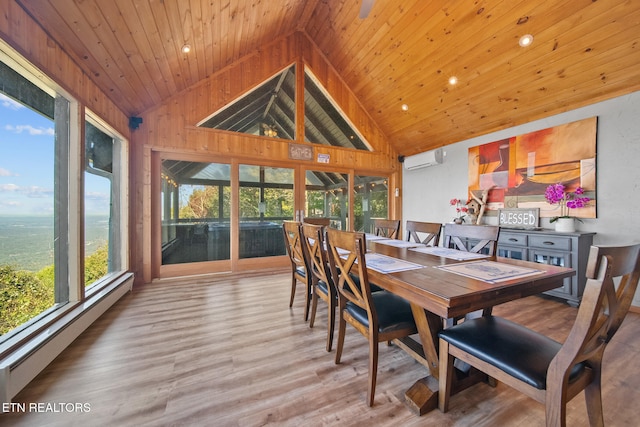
[520, 218]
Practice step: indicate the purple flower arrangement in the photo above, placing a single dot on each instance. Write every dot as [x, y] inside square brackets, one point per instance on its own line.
[556, 194]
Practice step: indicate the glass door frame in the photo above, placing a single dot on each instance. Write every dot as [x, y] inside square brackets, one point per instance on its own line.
[302, 194]
[392, 184]
[235, 264]
[159, 270]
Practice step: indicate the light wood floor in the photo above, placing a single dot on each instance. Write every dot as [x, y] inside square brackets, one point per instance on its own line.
[228, 351]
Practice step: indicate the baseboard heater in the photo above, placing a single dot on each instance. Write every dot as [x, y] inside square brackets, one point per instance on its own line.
[23, 365]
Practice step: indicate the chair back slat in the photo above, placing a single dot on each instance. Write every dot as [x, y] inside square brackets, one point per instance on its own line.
[623, 263]
[602, 308]
[427, 233]
[293, 243]
[387, 228]
[459, 236]
[317, 221]
[349, 269]
[313, 239]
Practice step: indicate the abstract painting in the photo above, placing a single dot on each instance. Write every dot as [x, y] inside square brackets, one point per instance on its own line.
[517, 170]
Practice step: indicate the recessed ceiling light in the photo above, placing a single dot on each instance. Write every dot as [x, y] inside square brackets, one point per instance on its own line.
[453, 80]
[405, 107]
[525, 40]
[186, 48]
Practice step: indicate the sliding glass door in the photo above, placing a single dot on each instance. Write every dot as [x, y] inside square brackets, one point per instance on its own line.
[370, 201]
[266, 200]
[195, 211]
[227, 216]
[212, 214]
[327, 196]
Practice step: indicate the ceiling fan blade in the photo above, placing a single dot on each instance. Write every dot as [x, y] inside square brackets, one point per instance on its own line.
[365, 8]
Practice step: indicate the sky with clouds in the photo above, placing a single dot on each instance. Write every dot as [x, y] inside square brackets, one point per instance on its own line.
[26, 165]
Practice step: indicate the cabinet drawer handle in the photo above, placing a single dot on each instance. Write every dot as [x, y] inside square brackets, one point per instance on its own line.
[548, 243]
[512, 239]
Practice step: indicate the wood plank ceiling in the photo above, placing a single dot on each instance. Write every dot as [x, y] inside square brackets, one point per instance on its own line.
[403, 52]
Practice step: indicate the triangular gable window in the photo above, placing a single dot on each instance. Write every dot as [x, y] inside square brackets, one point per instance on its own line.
[269, 110]
[324, 123]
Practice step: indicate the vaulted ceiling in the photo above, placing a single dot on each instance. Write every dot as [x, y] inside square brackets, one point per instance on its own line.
[403, 52]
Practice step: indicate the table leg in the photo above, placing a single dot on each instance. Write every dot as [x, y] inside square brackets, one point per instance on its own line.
[429, 325]
[422, 397]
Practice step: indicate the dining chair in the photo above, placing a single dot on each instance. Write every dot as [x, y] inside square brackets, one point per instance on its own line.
[322, 286]
[550, 372]
[317, 221]
[379, 316]
[427, 233]
[472, 238]
[387, 228]
[299, 262]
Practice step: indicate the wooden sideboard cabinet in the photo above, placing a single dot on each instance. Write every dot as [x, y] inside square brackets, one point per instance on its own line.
[549, 247]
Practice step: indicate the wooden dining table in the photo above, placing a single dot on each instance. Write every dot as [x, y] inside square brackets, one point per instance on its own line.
[437, 296]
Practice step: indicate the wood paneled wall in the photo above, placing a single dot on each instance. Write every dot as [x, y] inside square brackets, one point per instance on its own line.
[26, 37]
[171, 128]
[171, 125]
[19, 31]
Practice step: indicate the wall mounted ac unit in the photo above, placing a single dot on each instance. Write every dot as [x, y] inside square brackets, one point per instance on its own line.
[423, 160]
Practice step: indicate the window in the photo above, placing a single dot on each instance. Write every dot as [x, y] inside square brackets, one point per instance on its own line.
[196, 215]
[102, 202]
[324, 122]
[268, 110]
[326, 196]
[30, 158]
[195, 211]
[371, 200]
[266, 200]
[41, 183]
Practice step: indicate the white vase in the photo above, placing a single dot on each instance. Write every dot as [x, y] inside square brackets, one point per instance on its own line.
[565, 225]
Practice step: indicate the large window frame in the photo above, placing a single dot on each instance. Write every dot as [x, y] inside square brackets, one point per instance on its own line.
[118, 211]
[69, 287]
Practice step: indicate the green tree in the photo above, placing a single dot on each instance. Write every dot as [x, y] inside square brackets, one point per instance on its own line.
[96, 265]
[22, 296]
[249, 199]
[315, 203]
[202, 203]
[279, 202]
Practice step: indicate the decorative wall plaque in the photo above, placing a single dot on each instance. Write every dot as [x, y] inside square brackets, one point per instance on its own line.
[300, 152]
[519, 218]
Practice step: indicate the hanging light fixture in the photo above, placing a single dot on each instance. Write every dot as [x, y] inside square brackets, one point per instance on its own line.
[269, 130]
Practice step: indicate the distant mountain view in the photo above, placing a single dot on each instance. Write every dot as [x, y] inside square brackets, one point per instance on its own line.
[26, 242]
